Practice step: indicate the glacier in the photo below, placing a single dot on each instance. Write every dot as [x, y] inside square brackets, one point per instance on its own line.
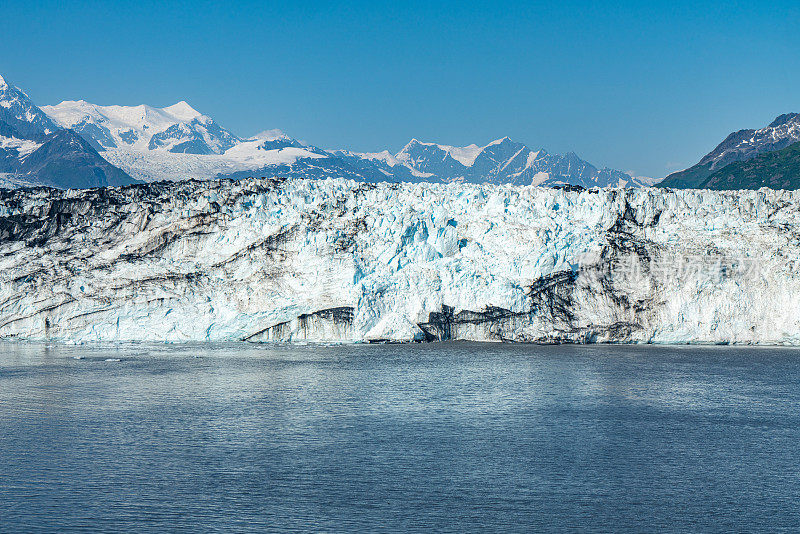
[344, 261]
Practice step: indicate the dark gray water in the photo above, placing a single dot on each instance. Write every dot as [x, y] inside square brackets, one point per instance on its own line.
[444, 437]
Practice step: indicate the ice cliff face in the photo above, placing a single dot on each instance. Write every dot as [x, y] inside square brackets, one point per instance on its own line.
[263, 260]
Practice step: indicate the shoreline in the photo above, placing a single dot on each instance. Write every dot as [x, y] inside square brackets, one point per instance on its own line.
[337, 343]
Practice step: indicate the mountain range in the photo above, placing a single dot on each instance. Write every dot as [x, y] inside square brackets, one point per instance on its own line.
[178, 142]
[77, 144]
[34, 150]
[96, 145]
[176, 129]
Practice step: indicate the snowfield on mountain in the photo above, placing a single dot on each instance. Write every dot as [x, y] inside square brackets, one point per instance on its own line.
[338, 260]
[180, 143]
[178, 128]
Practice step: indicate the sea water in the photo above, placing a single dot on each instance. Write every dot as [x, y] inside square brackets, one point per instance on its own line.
[448, 437]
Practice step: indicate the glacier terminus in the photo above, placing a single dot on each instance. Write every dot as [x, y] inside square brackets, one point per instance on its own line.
[337, 260]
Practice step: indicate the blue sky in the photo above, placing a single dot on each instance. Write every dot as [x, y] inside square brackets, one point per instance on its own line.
[642, 86]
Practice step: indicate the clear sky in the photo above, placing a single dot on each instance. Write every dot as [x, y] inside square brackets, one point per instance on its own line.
[647, 87]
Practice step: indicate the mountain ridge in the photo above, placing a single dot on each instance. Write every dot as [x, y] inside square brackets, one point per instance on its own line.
[177, 128]
[741, 145]
[34, 150]
[779, 169]
[179, 142]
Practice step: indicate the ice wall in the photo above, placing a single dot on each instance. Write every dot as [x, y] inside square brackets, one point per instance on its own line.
[271, 260]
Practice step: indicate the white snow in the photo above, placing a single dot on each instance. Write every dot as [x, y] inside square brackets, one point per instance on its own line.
[643, 181]
[498, 141]
[151, 165]
[23, 146]
[182, 111]
[133, 126]
[464, 154]
[385, 156]
[271, 135]
[540, 178]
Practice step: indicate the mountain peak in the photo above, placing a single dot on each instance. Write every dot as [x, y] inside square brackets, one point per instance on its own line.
[464, 155]
[780, 120]
[178, 128]
[271, 135]
[500, 141]
[411, 144]
[183, 111]
[20, 113]
[501, 161]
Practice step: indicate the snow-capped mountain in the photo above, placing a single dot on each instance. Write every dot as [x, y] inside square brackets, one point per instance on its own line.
[178, 128]
[739, 146]
[36, 151]
[338, 260]
[506, 161]
[20, 116]
[179, 143]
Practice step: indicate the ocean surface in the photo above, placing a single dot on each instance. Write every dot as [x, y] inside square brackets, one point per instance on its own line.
[448, 437]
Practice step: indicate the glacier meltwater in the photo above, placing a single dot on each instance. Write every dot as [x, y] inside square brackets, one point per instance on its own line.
[337, 260]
